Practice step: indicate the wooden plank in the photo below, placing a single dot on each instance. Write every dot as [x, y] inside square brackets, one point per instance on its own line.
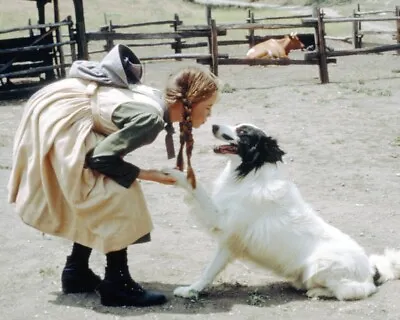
[366, 32]
[307, 21]
[35, 47]
[36, 26]
[205, 44]
[342, 53]
[363, 13]
[123, 26]
[262, 61]
[153, 44]
[96, 36]
[182, 56]
[299, 16]
[31, 71]
[254, 26]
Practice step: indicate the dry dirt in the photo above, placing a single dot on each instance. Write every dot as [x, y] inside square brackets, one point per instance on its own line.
[343, 150]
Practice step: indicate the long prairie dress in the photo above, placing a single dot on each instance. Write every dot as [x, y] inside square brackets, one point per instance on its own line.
[53, 189]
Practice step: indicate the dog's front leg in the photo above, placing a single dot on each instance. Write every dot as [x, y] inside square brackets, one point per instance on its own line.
[222, 257]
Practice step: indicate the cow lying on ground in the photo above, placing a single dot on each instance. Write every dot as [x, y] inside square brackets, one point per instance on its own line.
[276, 48]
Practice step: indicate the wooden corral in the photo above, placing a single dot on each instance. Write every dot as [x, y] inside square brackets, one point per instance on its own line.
[40, 54]
[27, 62]
[320, 56]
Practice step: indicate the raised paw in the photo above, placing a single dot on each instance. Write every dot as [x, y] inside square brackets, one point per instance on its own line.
[186, 292]
[180, 177]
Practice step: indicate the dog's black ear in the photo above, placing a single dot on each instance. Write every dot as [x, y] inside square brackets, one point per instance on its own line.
[272, 152]
[252, 154]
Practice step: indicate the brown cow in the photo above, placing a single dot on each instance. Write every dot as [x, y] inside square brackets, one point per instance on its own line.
[276, 48]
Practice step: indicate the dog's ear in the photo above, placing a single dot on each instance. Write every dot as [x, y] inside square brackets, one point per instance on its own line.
[271, 151]
[248, 151]
[252, 154]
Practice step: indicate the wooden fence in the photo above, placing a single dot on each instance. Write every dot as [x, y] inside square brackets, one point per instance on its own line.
[175, 38]
[373, 16]
[42, 53]
[39, 56]
[321, 56]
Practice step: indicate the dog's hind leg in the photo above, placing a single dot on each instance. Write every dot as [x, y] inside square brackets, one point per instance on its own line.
[222, 257]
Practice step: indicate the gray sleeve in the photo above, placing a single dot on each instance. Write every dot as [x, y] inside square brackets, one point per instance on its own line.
[136, 129]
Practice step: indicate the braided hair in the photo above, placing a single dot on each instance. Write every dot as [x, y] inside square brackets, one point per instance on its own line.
[186, 137]
[189, 86]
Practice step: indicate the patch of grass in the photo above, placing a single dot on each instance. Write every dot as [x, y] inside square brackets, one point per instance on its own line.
[256, 299]
[227, 88]
[396, 142]
[47, 272]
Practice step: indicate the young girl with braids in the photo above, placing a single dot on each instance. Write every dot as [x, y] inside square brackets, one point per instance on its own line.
[69, 178]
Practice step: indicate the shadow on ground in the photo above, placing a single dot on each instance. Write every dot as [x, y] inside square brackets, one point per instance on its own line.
[220, 298]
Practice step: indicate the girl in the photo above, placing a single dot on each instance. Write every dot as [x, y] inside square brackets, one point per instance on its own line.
[69, 178]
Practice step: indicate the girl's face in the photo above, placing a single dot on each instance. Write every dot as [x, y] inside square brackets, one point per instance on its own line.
[202, 110]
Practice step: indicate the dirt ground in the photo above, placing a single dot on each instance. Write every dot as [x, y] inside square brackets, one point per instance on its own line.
[343, 149]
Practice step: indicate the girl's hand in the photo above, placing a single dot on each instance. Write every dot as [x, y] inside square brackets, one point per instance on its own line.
[156, 176]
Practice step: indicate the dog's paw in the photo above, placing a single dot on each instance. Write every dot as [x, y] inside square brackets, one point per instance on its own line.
[180, 177]
[186, 292]
[317, 293]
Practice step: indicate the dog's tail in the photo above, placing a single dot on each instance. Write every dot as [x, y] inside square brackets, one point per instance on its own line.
[387, 266]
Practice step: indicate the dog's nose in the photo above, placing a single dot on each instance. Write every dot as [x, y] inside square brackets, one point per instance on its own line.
[215, 128]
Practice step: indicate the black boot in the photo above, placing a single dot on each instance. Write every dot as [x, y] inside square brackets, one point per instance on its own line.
[118, 289]
[76, 276]
[125, 292]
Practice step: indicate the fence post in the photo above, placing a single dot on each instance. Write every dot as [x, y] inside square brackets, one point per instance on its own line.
[178, 39]
[81, 40]
[322, 57]
[214, 48]
[398, 26]
[250, 19]
[58, 38]
[30, 30]
[109, 42]
[71, 38]
[356, 41]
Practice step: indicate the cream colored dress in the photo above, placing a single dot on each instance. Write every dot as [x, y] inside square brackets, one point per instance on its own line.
[49, 184]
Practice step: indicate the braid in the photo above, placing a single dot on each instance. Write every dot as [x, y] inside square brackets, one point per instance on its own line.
[186, 137]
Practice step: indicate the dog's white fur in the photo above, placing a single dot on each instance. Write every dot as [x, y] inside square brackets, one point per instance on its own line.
[263, 218]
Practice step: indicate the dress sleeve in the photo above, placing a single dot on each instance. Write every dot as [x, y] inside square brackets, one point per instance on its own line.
[136, 128]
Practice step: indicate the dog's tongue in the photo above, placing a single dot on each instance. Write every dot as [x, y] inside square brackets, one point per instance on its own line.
[225, 148]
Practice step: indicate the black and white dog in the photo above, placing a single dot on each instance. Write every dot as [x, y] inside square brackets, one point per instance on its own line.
[256, 213]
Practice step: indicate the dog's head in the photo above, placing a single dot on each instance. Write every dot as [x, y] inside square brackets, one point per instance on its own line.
[250, 144]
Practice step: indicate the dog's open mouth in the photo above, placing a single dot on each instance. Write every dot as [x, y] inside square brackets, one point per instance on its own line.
[226, 149]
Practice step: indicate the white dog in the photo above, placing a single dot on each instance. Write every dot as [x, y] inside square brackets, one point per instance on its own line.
[257, 214]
